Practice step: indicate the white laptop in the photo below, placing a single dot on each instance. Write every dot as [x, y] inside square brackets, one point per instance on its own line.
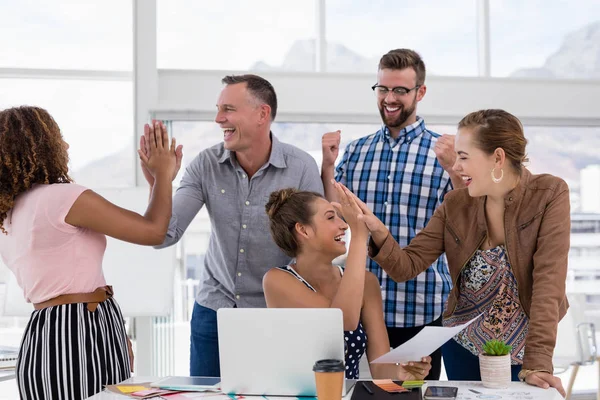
[271, 351]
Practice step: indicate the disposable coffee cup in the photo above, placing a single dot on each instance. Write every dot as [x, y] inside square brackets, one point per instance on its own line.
[329, 376]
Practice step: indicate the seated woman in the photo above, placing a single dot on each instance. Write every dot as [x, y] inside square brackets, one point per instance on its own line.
[52, 237]
[306, 226]
[506, 237]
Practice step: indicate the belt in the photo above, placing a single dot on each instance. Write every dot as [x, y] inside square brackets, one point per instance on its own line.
[92, 299]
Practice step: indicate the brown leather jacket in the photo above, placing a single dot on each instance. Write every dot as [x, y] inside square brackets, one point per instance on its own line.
[537, 228]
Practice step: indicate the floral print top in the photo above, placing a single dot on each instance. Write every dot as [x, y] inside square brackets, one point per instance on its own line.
[487, 286]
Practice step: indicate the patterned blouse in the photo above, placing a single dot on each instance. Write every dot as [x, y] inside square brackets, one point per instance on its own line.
[355, 342]
[487, 286]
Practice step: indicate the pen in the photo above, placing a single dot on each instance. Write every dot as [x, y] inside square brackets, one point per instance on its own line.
[366, 387]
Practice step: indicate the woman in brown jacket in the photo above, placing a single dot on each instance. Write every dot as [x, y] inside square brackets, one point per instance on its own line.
[506, 237]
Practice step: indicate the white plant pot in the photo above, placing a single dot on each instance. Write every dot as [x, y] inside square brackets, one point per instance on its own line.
[495, 371]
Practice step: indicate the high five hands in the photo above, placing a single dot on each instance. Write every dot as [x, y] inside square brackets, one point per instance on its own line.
[352, 213]
[156, 133]
[357, 210]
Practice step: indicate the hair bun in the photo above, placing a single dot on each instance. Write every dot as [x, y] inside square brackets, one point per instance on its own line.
[277, 199]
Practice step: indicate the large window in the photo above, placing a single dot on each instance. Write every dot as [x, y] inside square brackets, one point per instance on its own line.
[443, 32]
[278, 36]
[545, 39]
[66, 34]
[235, 34]
[95, 118]
[568, 152]
[91, 94]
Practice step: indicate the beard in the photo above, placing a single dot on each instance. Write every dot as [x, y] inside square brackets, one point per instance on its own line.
[395, 122]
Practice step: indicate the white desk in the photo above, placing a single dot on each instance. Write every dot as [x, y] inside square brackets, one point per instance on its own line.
[516, 391]
[6, 375]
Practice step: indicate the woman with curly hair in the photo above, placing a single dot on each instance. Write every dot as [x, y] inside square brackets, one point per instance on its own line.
[52, 237]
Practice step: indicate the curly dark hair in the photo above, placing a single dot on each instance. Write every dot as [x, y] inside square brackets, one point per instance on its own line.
[32, 150]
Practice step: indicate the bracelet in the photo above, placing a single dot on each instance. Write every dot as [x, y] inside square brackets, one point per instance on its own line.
[524, 373]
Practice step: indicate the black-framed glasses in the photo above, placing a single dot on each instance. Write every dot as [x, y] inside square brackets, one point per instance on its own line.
[398, 90]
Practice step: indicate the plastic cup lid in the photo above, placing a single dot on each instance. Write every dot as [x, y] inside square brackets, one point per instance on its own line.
[329, 366]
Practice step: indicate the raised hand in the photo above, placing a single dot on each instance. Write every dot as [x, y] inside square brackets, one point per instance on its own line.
[145, 149]
[330, 145]
[160, 158]
[546, 380]
[444, 151]
[373, 224]
[415, 371]
[350, 210]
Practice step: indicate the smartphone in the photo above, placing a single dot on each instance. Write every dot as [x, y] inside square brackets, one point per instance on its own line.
[441, 393]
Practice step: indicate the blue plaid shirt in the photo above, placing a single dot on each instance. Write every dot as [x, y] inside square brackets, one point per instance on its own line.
[402, 181]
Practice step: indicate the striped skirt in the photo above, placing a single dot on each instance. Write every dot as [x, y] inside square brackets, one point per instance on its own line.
[68, 352]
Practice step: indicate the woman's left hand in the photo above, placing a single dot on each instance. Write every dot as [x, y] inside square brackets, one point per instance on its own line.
[545, 380]
[415, 371]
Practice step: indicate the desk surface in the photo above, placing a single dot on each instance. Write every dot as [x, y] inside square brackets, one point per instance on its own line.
[6, 375]
[516, 391]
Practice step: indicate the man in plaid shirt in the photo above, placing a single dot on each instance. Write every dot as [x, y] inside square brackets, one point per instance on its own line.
[402, 172]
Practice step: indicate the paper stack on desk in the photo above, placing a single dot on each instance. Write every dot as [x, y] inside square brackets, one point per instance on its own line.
[423, 344]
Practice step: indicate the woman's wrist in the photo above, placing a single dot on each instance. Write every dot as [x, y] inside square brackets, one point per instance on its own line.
[524, 373]
[379, 235]
[359, 233]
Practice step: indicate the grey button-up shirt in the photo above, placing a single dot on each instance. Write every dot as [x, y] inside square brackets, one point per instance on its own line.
[240, 249]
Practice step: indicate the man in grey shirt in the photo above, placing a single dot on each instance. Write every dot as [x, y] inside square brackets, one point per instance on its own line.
[234, 180]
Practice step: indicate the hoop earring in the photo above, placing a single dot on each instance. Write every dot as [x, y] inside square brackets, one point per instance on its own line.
[497, 180]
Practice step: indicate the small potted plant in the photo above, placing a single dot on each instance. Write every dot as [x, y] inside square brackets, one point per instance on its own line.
[494, 364]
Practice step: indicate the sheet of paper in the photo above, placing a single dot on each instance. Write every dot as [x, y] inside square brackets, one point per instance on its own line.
[424, 343]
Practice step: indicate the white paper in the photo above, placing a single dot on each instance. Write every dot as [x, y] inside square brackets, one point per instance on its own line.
[423, 344]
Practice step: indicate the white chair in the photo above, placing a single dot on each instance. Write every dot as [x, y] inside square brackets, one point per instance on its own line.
[575, 341]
